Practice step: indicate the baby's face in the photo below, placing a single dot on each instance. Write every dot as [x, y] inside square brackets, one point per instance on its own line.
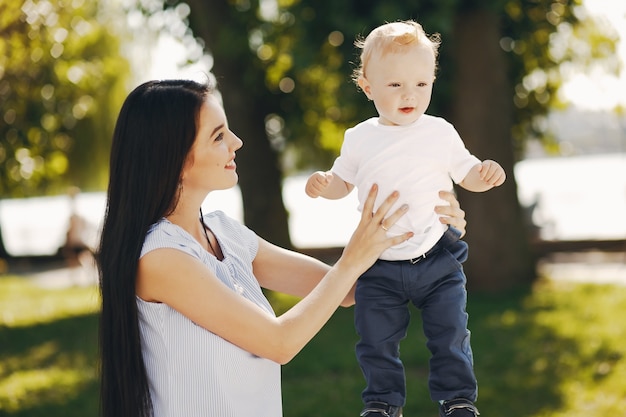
[400, 83]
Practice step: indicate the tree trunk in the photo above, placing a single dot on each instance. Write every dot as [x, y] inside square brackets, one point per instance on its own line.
[243, 94]
[3, 254]
[500, 256]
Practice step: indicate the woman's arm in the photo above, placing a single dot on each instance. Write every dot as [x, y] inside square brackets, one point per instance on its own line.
[290, 272]
[185, 284]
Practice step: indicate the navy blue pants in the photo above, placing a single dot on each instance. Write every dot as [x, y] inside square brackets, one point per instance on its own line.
[436, 285]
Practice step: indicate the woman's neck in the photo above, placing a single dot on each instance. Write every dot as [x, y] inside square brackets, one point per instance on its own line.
[187, 217]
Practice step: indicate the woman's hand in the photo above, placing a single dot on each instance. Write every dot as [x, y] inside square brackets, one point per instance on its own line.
[370, 238]
[451, 214]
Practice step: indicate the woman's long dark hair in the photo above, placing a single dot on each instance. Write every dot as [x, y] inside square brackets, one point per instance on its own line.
[154, 133]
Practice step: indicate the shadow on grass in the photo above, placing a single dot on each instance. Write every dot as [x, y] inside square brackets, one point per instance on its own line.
[49, 369]
[520, 363]
[517, 360]
[529, 347]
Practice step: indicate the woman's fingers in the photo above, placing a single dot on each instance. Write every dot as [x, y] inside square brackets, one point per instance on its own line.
[383, 220]
[368, 206]
[381, 213]
[450, 198]
[451, 214]
[373, 223]
[370, 239]
[389, 221]
[380, 216]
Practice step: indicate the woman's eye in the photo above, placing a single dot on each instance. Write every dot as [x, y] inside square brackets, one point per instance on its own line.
[219, 137]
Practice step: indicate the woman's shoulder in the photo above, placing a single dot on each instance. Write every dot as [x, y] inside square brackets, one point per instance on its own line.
[219, 217]
[230, 231]
[218, 221]
[165, 234]
[163, 228]
[214, 219]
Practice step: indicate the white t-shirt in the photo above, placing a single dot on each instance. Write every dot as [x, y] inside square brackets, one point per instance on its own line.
[418, 160]
[193, 372]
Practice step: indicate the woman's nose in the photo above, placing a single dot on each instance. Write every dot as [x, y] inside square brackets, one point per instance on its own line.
[237, 143]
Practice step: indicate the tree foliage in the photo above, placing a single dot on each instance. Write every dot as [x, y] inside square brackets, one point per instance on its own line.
[309, 47]
[61, 82]
[285, 68]
[545, 41]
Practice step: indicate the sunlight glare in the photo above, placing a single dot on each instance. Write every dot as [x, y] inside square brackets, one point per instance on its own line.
[596, 89]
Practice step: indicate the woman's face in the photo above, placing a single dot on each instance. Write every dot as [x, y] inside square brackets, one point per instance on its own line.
[211, 164]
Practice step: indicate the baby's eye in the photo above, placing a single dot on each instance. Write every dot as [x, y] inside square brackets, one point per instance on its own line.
[394, 84]
[422, 84]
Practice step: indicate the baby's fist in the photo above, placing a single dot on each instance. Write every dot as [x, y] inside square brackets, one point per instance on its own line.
[317, 183]
[492, 173]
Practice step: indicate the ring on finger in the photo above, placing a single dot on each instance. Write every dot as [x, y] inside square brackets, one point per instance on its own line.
[383, 226]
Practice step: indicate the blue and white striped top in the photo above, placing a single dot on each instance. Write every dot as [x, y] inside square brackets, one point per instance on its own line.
[193, 372]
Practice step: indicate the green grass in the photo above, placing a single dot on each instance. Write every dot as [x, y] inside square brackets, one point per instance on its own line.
[554, 351]
[48, 350]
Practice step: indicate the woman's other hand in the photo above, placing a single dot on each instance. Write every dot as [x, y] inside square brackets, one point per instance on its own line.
[451, 214]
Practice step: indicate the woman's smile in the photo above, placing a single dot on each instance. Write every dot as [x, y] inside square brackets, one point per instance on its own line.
[231, 164]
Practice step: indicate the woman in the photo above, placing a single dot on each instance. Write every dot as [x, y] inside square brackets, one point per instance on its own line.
[185, 329]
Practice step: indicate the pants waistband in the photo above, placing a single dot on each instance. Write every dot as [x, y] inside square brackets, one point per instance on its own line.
[450, 236]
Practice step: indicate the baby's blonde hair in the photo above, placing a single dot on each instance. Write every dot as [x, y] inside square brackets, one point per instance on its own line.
[390, 38]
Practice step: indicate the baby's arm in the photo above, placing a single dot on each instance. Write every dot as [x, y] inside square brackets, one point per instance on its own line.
[327, 185]
[484, 176]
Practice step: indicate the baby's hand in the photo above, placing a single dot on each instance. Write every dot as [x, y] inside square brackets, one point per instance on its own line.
[492, 173]
[317, 183]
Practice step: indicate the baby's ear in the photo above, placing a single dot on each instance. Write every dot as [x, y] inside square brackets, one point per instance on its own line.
[365, 86]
